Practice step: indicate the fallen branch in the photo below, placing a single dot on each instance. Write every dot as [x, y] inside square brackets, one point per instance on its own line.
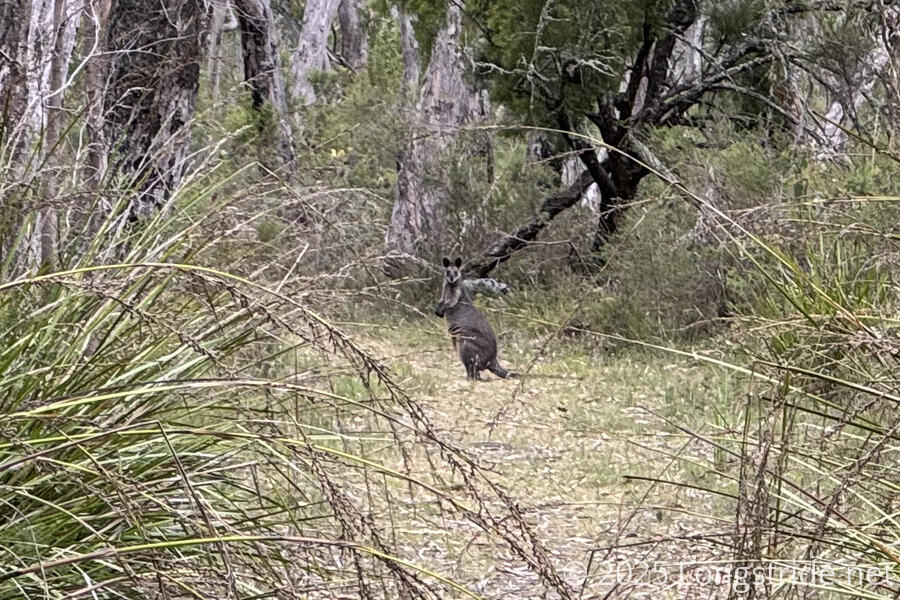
[502, 249]
[486, 285]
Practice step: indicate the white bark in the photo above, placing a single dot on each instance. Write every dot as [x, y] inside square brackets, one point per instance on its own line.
[312, 51]
[64, 22]
[833, 140]
[38, 48]
[36, 44]
[687, 56]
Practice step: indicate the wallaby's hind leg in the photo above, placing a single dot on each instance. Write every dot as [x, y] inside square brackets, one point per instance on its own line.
[468, 354]
[472, 372]
[499, 371]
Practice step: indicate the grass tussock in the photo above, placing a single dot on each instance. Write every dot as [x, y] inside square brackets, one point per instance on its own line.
[170, 429]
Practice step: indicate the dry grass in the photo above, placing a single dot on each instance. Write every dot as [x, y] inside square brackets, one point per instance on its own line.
[563, 442]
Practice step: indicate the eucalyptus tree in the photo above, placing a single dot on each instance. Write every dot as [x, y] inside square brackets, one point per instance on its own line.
[628, 67]
[154, 72]
[311, 53]
[447, 101]
[262, 71]
[353, 22]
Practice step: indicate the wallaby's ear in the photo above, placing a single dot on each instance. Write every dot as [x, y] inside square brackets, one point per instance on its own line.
[446, 262]
[458, 262]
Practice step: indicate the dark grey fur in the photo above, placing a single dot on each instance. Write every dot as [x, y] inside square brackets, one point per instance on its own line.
[472, 335]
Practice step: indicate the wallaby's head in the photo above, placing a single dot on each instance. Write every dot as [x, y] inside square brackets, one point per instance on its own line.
[451, 292]
[452, 274]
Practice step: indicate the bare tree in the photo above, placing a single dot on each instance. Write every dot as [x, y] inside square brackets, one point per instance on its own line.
[354, 33]
[262, 71]
[154, 73]
[312, 51]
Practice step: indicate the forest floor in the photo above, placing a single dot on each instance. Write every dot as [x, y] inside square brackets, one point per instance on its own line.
[572, 442]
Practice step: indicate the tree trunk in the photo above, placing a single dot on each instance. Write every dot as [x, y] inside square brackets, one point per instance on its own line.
[64, 21]
[16, 22]
[27, 41]
[96, 23]
[36, 39]
[354, 34]
[156, 55]
[409, 50]
[13, 29]
[856, 90]
[262, 71]
[312, 51]
[447, 101]
[687, 57]
[37, 58]
[641, 101]
[214, 47]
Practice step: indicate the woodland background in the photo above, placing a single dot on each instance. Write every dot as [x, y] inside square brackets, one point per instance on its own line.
[221, 224]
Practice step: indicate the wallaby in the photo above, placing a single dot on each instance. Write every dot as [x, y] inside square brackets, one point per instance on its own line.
[472, 335]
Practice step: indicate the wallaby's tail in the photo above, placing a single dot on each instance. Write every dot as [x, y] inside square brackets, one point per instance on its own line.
[500, 372]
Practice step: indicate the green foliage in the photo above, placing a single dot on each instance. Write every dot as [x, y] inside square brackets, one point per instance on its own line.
[562, 50]
[492, 186]
[123, 432]
[661, 288]
[269, 230]
[356, 133]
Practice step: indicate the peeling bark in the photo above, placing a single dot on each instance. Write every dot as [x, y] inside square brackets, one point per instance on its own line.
[312, 51]
[262, 71]
[154, 73]
[447, 101]
[27, 41]
[36, 41]
[354, 34]
[409, 51]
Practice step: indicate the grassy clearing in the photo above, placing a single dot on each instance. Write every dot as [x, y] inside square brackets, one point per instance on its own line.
[564, 442]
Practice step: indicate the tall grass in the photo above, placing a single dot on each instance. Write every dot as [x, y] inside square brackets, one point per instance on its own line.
[177, 420]
[806, 455]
